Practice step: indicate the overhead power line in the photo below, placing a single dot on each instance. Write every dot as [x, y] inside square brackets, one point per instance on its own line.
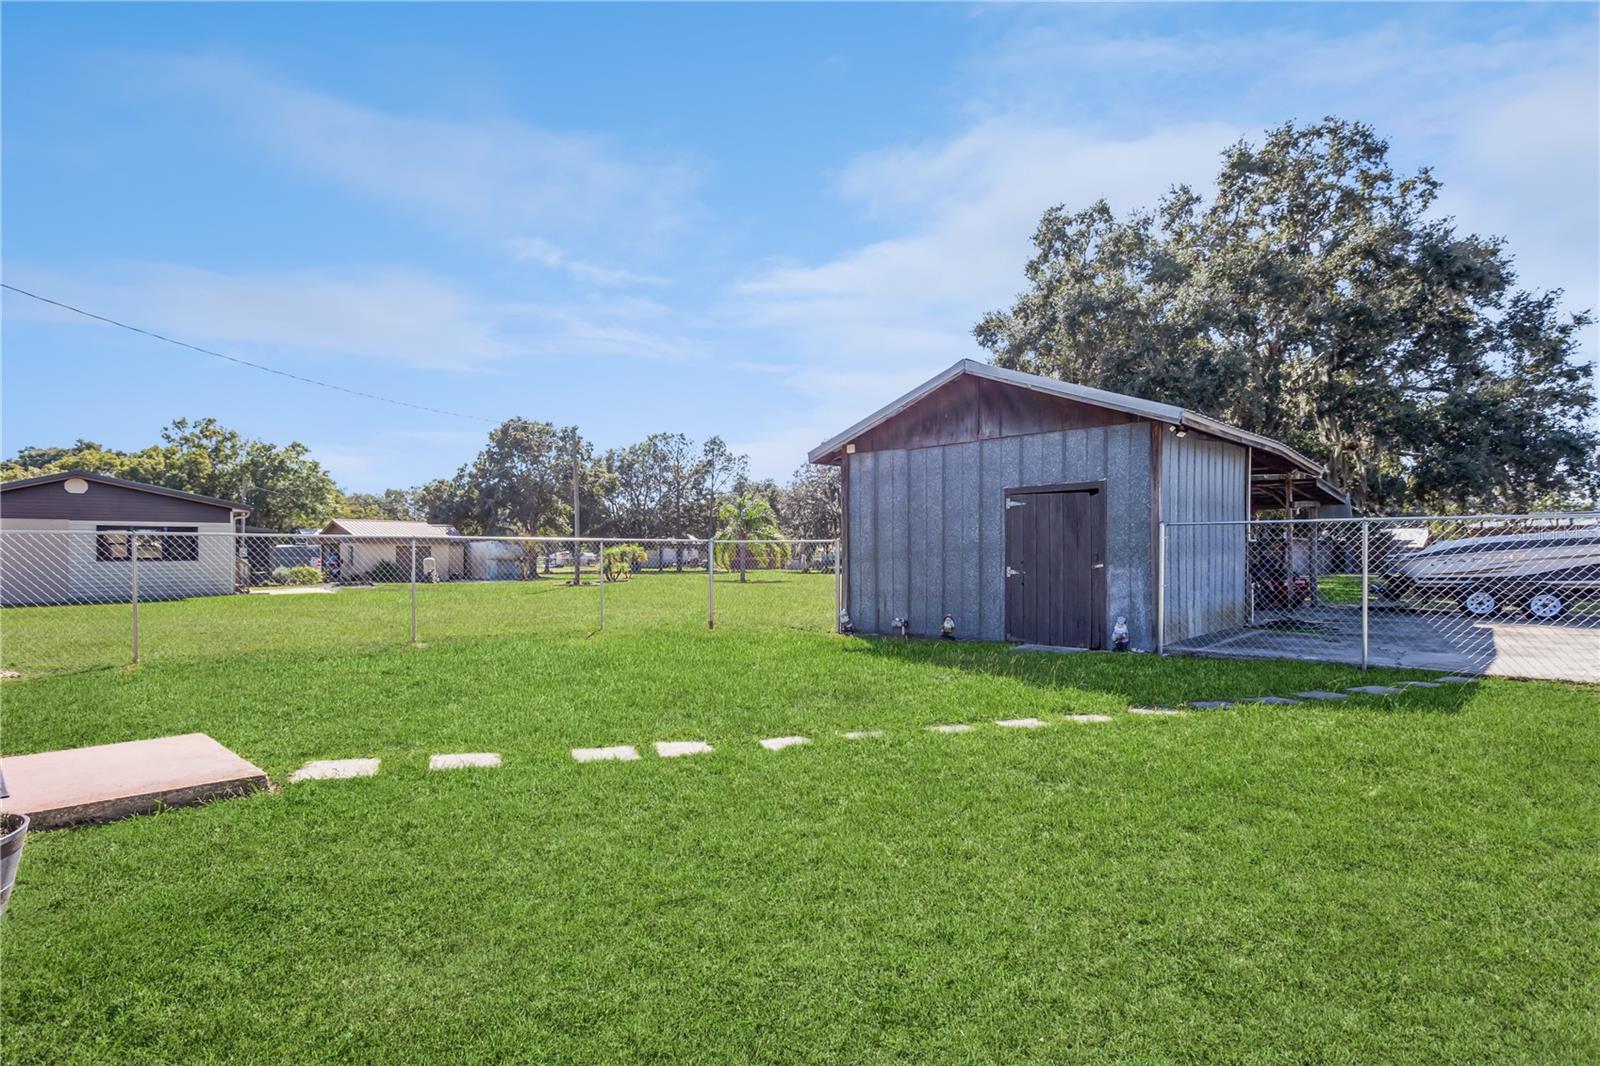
[243, 362]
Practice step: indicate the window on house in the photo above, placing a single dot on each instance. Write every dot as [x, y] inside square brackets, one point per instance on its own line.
[154, 544]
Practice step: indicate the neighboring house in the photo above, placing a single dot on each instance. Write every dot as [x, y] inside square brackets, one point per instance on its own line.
[390, 541]
[80, 536]
[1028, 509]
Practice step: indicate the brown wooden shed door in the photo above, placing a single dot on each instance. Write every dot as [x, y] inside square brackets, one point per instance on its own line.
[1055, 566]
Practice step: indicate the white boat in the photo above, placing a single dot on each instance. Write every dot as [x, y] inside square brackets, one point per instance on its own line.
[1540, 573]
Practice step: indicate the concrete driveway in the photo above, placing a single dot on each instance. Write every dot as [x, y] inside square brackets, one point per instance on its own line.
[1427, 640]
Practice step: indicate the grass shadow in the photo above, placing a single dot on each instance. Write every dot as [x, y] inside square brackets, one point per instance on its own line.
[1143, 679]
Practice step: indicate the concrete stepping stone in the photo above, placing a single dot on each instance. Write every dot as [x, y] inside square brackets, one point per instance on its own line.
[1021, 723]
[1281, 701]
[615, 753]
[334, 770]
[958, 727]
[779, 743]
[1318, 694]
[465, 761]
[1087, 718]
[862, 734]
[672, 749]
[1421, 684]
[1210, 705]
[1376, 690]
[1454, 680]
[1163, 712]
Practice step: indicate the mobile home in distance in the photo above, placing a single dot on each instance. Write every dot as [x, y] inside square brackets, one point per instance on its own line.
[78, 537]
[384, 550]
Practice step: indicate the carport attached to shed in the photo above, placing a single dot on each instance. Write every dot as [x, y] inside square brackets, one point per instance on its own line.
[939, 484]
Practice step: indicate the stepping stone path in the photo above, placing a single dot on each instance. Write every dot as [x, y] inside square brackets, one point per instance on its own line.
[334, 770]
[464, 761]
[340, 769]
[672, 749]
[616, 753]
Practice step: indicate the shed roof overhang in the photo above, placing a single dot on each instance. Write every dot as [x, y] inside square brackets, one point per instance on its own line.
[1268, 457]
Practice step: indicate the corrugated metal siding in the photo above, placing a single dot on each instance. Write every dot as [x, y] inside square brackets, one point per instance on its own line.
[927, 527]
[1207, 581]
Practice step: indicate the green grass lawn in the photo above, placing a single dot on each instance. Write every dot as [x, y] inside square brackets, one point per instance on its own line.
[1405, 879]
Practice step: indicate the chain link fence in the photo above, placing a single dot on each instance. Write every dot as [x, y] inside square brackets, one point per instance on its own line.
[1515, 595]
[96, 598]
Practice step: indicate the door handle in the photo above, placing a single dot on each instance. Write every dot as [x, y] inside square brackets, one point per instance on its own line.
[1099, 566]
[1013, 573]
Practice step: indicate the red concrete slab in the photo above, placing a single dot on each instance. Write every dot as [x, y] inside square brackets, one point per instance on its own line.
[82, 786]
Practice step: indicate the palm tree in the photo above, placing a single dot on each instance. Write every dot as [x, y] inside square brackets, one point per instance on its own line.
[744, 519]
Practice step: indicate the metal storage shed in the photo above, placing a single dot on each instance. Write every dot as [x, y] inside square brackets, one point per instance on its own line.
[1028, 508]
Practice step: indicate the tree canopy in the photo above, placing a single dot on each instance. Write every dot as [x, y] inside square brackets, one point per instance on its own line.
[519, 484]
[1315, 298]
[284, 487]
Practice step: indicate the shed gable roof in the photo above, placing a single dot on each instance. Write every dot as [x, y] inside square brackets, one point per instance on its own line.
[830, 450]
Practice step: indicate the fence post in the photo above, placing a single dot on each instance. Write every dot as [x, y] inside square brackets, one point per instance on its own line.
[413, 590]
[711, 583]
[1161, 588]
[1366, 539]
[603, 579]
[133, 587]
[838, 589]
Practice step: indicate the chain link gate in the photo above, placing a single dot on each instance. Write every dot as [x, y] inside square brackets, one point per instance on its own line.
[1515, 595]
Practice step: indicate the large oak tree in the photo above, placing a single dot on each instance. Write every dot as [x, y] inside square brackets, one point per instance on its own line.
[1316, 298]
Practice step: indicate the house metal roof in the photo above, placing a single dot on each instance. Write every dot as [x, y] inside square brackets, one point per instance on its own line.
[138, 486]
[387, 527]
[829, 451]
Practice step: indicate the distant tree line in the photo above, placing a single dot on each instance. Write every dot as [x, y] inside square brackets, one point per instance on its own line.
[283, 486]
[1316, 298]
[520, 483]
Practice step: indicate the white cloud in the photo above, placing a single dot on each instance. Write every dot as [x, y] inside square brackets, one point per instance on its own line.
[390, 316]
[377, 315]
[546, 254]
[507, 182]
[876, 320]
[1509, 121]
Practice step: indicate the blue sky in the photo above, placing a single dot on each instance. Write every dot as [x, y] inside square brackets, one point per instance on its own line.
[759, 221]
